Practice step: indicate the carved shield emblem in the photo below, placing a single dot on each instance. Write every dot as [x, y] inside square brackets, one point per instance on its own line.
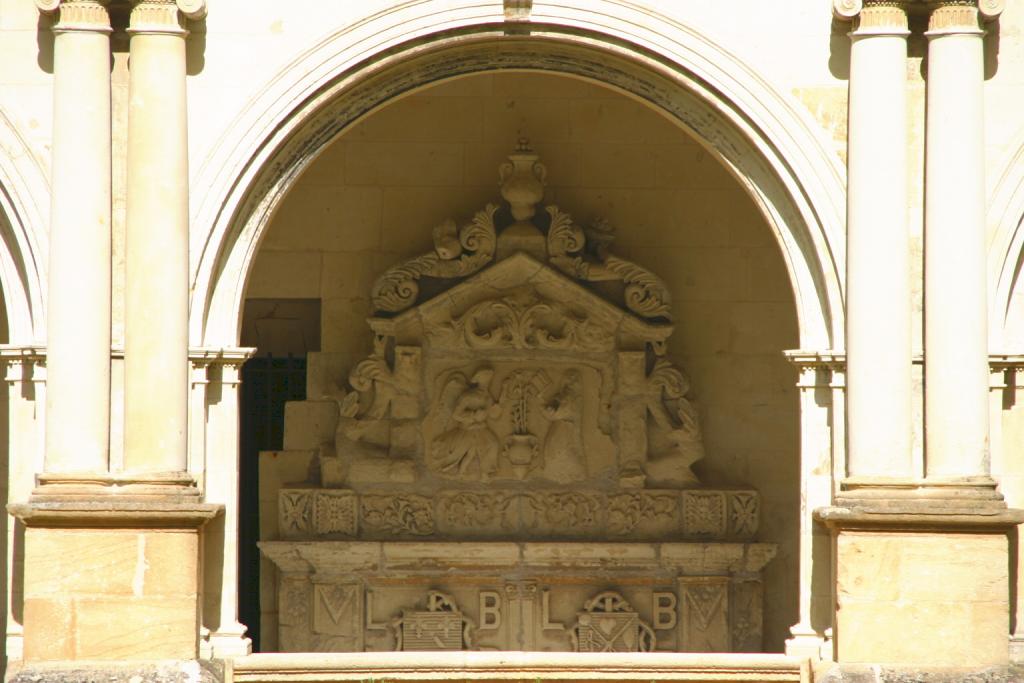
[431, 631]
[609, 632]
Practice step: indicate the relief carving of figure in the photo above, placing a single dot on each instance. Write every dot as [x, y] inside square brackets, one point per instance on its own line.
[563, 445]
[469, 443]
[674, 437]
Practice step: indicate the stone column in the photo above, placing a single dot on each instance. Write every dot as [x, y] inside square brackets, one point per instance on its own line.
[879, 386]
[227, 635]
[78, 298]
[156, 300]
[819, 383]
[956, 301]
[23, 365]
[199, 382]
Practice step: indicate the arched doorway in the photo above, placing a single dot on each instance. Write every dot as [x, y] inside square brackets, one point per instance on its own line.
[23, 213]
[790, 178]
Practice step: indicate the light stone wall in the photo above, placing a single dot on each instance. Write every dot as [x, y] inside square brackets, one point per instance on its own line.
[374, 195]
[794, 45]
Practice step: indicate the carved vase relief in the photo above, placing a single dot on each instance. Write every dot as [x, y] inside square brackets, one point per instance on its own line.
[518, 390]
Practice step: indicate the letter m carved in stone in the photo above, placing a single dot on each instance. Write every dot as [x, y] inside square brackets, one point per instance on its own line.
[337, 608]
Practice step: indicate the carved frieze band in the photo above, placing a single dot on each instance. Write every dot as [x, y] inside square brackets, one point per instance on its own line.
[650, 514]
[697, 614]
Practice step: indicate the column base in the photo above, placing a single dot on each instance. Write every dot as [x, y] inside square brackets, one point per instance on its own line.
[65, 486]
[979, 488]
[807, 643]
[230, 642]
[1017, 648]
[111, 577]
[944, 598]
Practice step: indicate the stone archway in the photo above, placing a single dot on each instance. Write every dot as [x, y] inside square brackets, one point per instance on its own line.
[766, 144]
[23, 193]
[1006, 255]
[22, 230]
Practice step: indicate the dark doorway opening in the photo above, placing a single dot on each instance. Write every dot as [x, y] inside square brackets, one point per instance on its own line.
[283, 331]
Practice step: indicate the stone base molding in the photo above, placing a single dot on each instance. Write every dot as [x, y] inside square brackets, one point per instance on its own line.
[168, 486]
[851, 673]
[111, 578]
[921, 581]
[186, 671]
[494, 666]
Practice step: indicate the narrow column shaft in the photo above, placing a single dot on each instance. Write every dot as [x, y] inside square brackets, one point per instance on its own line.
[78, 299]
[228, 635]
[156, 299]
[878, 315]
[956, 339]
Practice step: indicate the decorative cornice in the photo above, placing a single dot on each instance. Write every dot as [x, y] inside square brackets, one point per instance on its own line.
[78, 15]
[110, 512]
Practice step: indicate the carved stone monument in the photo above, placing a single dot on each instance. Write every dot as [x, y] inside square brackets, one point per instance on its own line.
[510, 468]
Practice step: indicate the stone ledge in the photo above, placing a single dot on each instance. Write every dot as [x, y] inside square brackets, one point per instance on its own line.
[190, 671]
[864, 673]
[491, 666]
[373, 556]
[919, 516]
[114, 513]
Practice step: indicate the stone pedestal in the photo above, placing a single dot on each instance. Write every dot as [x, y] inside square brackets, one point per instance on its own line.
[922, 583]
[113, 579]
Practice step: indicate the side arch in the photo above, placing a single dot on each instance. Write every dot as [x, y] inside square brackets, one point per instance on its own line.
[1006, 256]
[773, 148]
[24, 193]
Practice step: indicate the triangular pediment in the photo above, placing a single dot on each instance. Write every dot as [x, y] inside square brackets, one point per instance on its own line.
[521, 289]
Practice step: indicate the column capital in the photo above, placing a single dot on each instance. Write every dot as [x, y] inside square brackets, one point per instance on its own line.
[875, 17]
[947, 17]
[163, 16]
[77, 15]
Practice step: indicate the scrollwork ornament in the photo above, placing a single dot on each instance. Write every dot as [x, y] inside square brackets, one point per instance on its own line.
[646, 295]
[193, 9]
[48, 6]
[397, 289]
[564, 236]
[846, 10]
[991, 9]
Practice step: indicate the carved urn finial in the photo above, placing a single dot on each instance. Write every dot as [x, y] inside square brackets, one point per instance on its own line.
[522, 186]
[522, 181]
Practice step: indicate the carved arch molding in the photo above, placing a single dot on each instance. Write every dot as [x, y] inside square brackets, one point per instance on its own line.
[804, 216]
